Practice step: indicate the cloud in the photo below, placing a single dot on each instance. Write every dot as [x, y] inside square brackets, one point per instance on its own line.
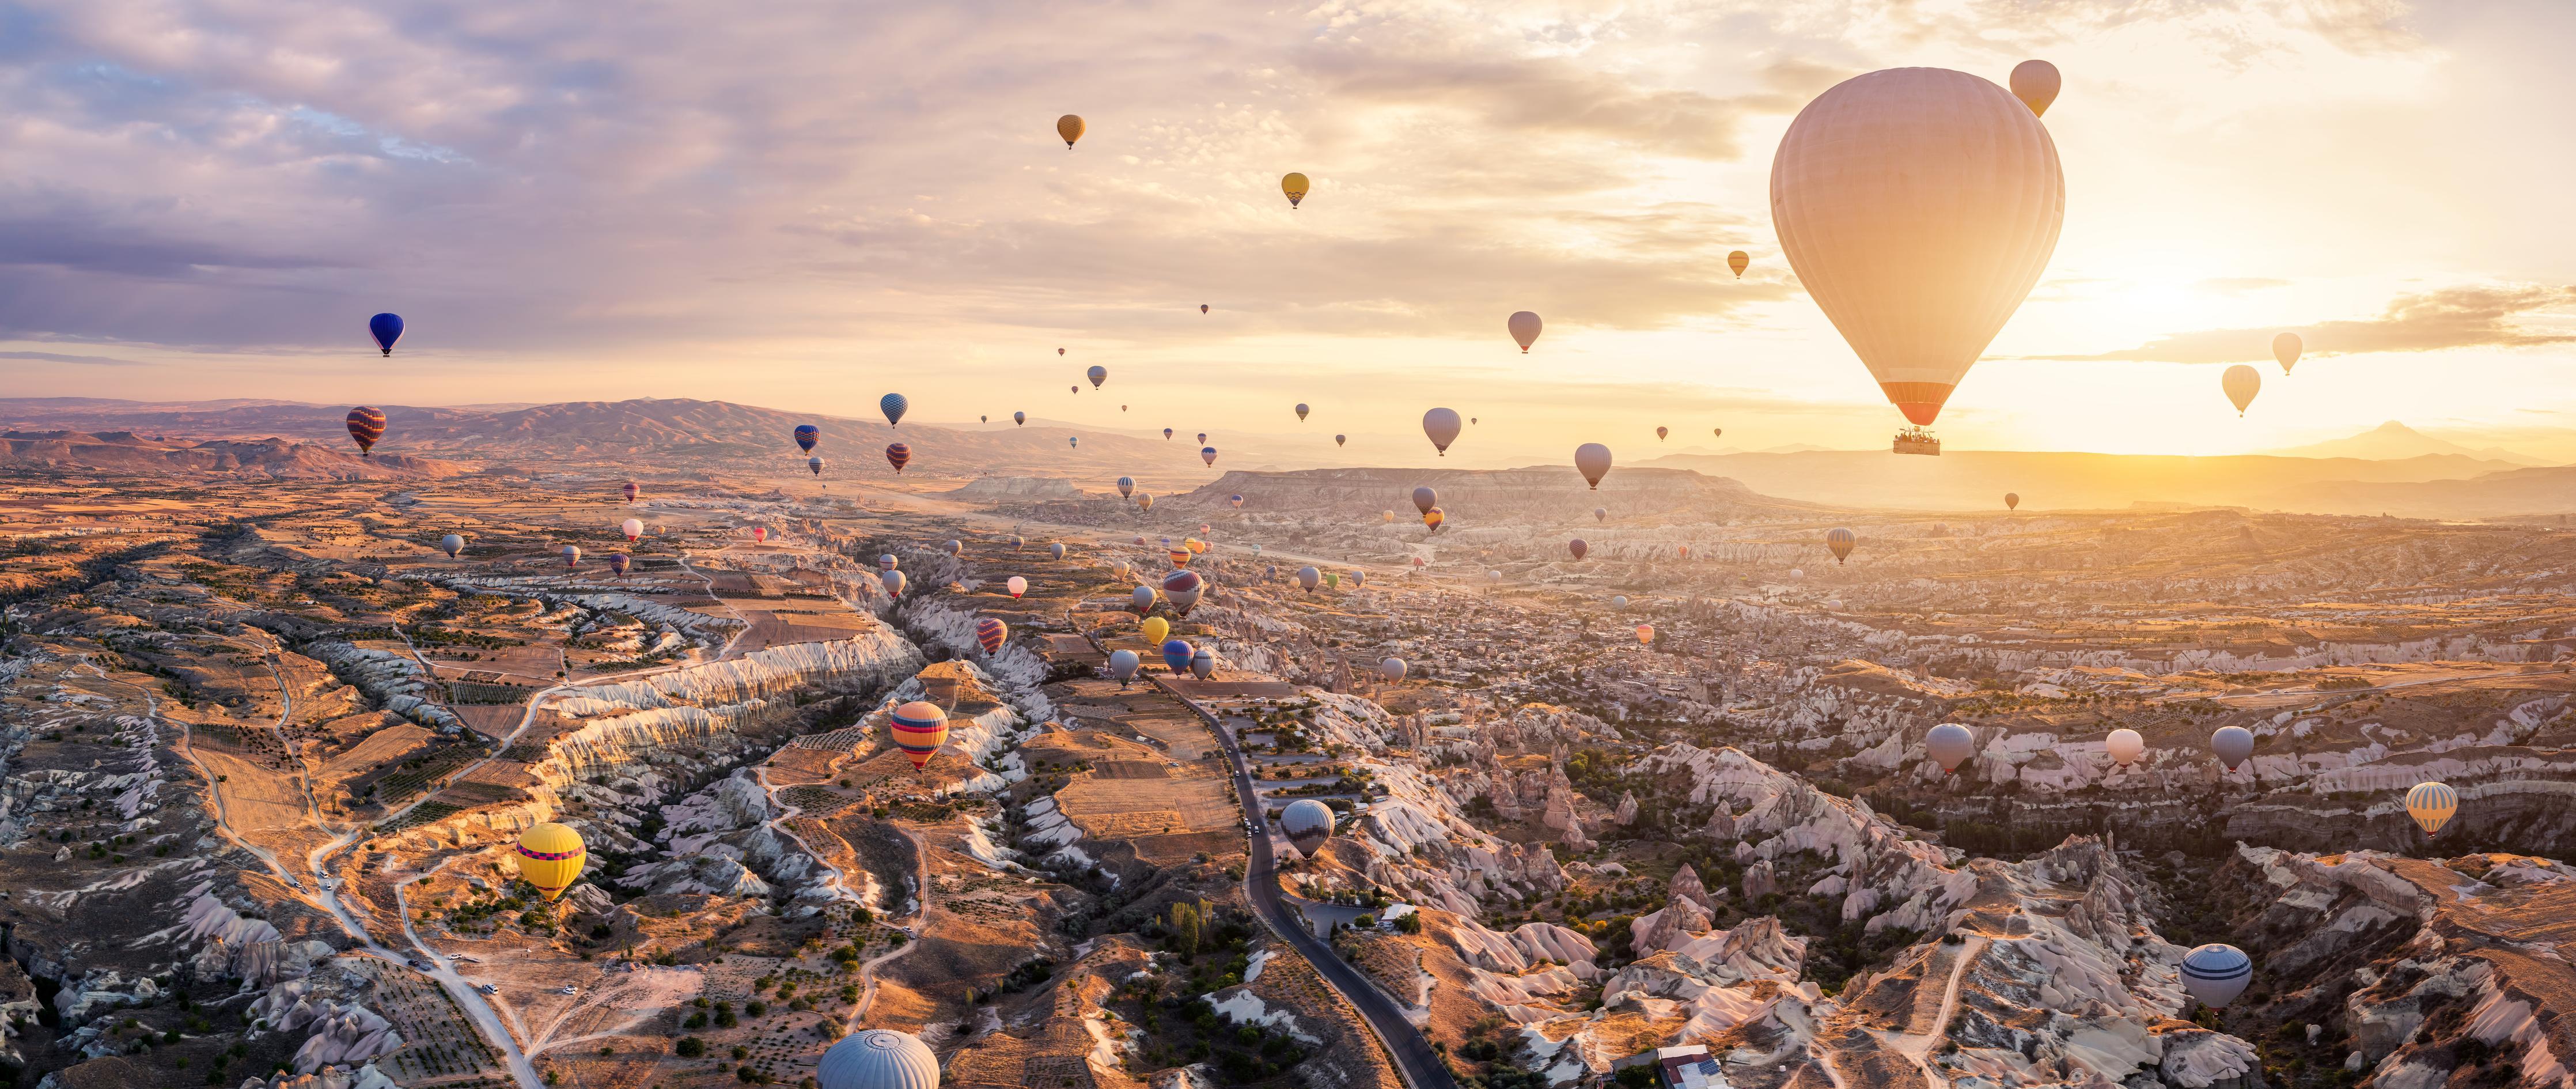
[2238, 285]
[90, 360]
[2455, 317]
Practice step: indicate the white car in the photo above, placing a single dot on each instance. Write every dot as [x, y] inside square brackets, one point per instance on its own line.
[487, 988]
[570, 989]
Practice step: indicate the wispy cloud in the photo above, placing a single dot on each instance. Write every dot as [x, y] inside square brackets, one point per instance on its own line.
[2454, 317]
[85, 360]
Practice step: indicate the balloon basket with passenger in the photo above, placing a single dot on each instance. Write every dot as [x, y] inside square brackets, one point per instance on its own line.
[1915, 440]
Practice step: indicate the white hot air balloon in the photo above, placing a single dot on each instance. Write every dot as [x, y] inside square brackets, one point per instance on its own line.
[1123, 665]
[1391, 669]
[2286, 348]
[2241, 383]
[452, 544]
[1950, 744]
[2125, 745]
[1017, 586]
[878, 1059]
[1593, 461]
[1917, 206]
[2216, 974]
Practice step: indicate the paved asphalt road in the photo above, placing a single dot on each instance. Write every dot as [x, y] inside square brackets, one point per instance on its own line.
[1421, 1067]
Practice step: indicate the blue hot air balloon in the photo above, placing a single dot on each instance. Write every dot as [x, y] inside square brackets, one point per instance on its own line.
[387, 329]
[806, 436]
[894, 406]
[1177, 654]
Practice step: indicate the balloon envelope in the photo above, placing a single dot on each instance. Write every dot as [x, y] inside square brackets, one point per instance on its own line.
[1340, 439]
[1738, 260]
[1055, 551]
[1182, 589]
[879, 1058]
[806, 436]
[919, 729]
[815, 464]
[1069, 128]
[1098, 374]
[1309, 578]
[2241, 383]
[572, 555]
[550, 856]
[1524, 326]
[2215, 974]
[2286, 348]
[1441, 425]
[1123, 664]
[1592, 460]
[2431, 804]
[1578, 547]
[894, 582]
[1202, 664]
[1207, 454]
[1126, 487]
[366, 425]
[2232, 744]
[2125, 745]
[2012, 500]
[1892, 174]
[1840, 542]
[1646, 635]
[1392, 669]
[1017, 585]
[1155, 629]
[1950, 744]
[618, 562]
[1019, 417]
[386, 328]
[1307, 823]
[1301, 411]
[1177, 654]
[991, 633]
[452, 544]
[2035, 83]
[1295, 186]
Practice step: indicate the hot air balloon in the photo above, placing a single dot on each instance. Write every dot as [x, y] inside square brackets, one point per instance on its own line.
[1840, 541]
[991, 633]
[1433, 518]
[878, 1059]
[894, 582]
[1018, 542]
[1202, 308]
[1308, 578]
[1950, 744]
[2241, 383]
[1645, 635]
[759, 534]
[571, 556]
[2125, 745]
[1524, 327]
[452, 544]
[2035, 83]
[617, 563]
[1208, 455]
[1144, 501]
[1069, 127]
[1055, 551]
[2286, 348]
[1167, 434]
[1098, 374]
[1419, 562]
[1619, 602]
[632, 528]
[1123, 665]
[1392, 669]
[1180, 555]
[1144, 599]
[1737, 260]
[1578, 547]
[1600, 514]
[1441, 425]
[1592, 460]
[887, 562]
[1235, 499]
[894, 405]
[1059, 351]
[550, 857]
[366, 425]
[1074, 441]
[1717, 432]
[806, 436]
[1020, 418]
[630, 491]
[1340, 439]
[2215, 974]
[1017, 586]
[2431, 804]
[1660, 432]
[954, 548]
[2012, 500]
[1126, 487]
[1202, 664]
[1895, 172]
[1295, 186]
[1182, 589]
[919, 729]
[1307, 823]
[815, 465]
[1176, 655]
[1495, 577]
[1155, 629]
[386, 328]
[1202, 438]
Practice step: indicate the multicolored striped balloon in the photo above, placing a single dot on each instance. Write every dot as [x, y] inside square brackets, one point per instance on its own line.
[806, 436]
[920, 728]
[898, 455]
[2431, 804]
[366, 425]
[991, 633]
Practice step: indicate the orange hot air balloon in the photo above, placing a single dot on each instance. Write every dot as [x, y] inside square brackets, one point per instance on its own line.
[1646, 635]
[1917, 206]
[919, 729]
[1738, 260]
[1071, 128]
[1433, 518]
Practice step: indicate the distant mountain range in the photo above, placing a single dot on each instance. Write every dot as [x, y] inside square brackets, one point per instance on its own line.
[2394, 441]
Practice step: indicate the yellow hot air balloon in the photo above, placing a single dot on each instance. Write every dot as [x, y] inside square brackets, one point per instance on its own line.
[2241, 383]
[2431, 804]
[1155, 629]
[1433, 518]
[550, 857]
[1917, 206]
[1737, 261]
[1295, 186]
[1070, 127]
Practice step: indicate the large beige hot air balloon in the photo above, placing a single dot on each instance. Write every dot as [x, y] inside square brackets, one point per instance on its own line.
[2286, 348]
[1070, 127]
[1918, 206]
[2241, 383]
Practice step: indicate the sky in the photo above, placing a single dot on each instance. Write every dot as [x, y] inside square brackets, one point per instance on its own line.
[809, 204]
